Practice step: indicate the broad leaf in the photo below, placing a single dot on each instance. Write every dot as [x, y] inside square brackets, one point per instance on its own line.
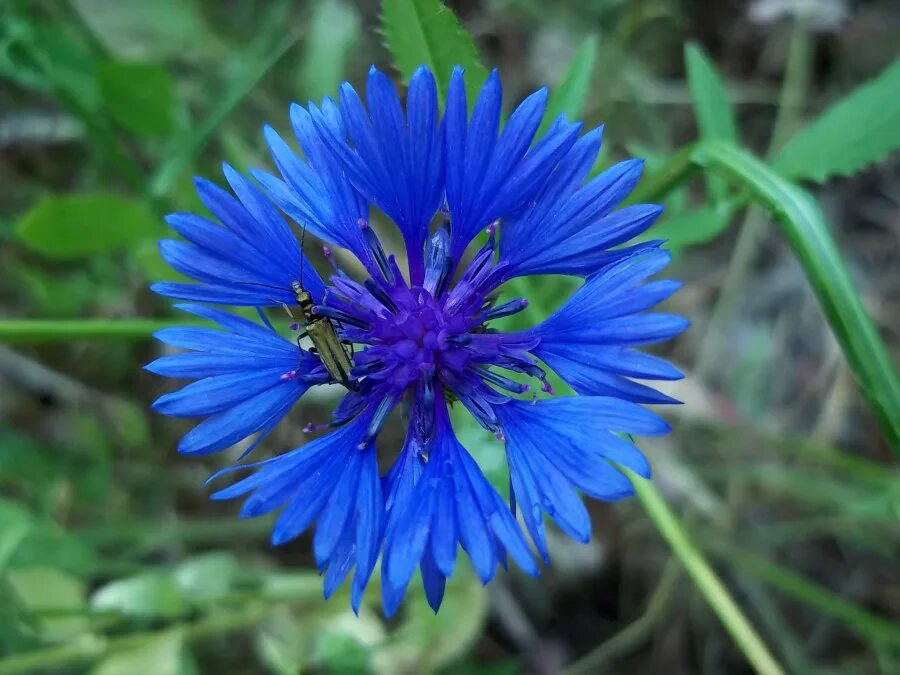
[690, 228]
[139, 96]
[73, 226]
[148, 595]
[425, 32]
[58, 596]
[159, 654]
[570, 95]
[859, 129]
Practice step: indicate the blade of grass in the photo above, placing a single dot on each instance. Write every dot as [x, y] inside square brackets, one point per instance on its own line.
[865, 624]
[189, 146]
[804, 225]
[706, 580]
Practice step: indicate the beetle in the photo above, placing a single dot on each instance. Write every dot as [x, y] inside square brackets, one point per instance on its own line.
[335, 354]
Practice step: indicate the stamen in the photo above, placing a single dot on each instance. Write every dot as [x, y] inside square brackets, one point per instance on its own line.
[380, 295]
[439, 262]
[425, 409]
[310, 428]
[380, 257]
[329, 256]
[378, 419]
[503, 381]
[506, 309]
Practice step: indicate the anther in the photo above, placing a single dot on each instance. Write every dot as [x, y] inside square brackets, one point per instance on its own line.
[377, 251]
[506, 309]
[310, 428]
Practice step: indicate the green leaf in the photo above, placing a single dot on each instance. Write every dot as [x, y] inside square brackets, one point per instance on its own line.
[140, 30]
[46, 544]
[139, 96]
[332, 33]
[690, 228]
[159, 654]
[715, 116]
[571, 93]
[425, 32]
[54, 600]
[15, 522]
[426, 642]
[67, 227]
[151, 595]
[807, 232]
[208, 576]
[250, 67]
[859, 129]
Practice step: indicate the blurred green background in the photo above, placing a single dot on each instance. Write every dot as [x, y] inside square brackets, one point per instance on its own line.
[112, 559]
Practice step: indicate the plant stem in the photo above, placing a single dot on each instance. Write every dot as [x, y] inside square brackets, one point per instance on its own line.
[35, 331]
[754, 226]
[634, 633]
[706, 580]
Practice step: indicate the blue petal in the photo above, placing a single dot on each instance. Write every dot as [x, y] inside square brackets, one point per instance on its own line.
[434, 582]
[567, 230]
[224, 429]
[489, 177]
[369, 526]
[250, 259]
[337, 511]
[215, 394]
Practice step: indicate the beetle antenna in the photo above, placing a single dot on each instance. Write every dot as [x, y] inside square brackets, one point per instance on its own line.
[302, 255]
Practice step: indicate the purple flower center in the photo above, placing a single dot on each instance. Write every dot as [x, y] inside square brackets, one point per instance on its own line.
[430, 336]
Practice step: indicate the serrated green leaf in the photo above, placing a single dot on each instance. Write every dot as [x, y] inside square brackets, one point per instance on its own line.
[715, 116]
[861, 128]
[67, 227]
[425, 32]
[571, 93]
[332, 33]
[139, 96]
[53, 599]
[690, 228]
[149, 595]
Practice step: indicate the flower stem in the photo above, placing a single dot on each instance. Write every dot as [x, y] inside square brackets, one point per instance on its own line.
[706, 580]
[67, 330]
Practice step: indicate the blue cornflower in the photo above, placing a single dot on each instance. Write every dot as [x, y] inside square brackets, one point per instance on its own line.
[423, 340]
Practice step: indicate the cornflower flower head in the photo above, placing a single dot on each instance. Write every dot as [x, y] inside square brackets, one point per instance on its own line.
[423, 340]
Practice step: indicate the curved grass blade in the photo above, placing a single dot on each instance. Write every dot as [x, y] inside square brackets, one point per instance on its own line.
[806, 230]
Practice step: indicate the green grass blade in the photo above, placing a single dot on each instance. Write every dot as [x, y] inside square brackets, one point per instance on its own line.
[806, 231]
[193, 141]
[570, 95]
[869, 626]
[425, 32]
[708, 583]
